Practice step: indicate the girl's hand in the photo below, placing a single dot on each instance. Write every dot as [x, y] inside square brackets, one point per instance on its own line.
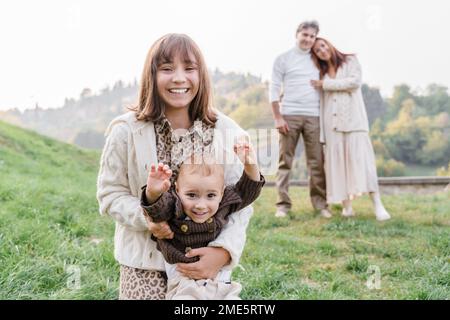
[158, 181]
[317, 84]
[160, 230]
[212, 259]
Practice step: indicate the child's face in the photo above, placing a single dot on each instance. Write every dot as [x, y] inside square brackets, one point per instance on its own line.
[200, 195]
[178, 82]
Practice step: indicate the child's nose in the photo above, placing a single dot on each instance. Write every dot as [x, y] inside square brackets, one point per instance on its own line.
[200, 205]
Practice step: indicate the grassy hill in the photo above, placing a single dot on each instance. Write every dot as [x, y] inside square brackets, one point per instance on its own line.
[49, 221]
[50, 231]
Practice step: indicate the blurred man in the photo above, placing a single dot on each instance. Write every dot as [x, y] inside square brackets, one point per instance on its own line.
[298, 114]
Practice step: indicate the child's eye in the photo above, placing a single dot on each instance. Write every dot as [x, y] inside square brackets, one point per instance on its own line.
[211, 195]
[191, 195]
[190, 68]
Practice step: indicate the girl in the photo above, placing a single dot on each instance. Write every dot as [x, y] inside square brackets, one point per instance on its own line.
[349, 158]
[174, 94]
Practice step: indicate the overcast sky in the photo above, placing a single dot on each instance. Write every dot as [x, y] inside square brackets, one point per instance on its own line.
[53, 49]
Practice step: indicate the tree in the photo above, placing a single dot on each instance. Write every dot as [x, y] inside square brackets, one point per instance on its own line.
[401, 93]
[437, 99]
[436, 149]
[375, 105]
[85, 93]
[421, 140]
[402, 137]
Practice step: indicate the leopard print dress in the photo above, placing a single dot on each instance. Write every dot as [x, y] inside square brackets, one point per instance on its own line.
[173, 147]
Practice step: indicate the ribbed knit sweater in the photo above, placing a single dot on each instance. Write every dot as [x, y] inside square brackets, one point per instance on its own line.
[292, 74]
[189, 234]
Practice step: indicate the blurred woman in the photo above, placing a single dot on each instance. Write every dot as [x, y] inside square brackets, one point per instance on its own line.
[350, 168]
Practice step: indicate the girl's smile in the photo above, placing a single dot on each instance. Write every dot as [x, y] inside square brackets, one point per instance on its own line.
[178, 82]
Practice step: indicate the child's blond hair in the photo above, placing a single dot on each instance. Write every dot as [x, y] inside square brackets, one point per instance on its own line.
[204, 164]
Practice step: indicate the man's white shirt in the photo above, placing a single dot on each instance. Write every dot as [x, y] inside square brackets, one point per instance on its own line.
[292, 73]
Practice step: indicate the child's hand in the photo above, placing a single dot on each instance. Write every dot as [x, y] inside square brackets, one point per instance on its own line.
[245, 152]
[247, 155]
[160, 230]
[158, 181]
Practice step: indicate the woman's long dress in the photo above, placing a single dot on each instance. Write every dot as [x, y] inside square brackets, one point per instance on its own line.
[350, 166]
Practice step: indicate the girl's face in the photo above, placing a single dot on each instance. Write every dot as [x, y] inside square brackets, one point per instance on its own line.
[178, 82]
[322, 50]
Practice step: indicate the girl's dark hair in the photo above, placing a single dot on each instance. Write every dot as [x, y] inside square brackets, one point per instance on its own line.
[150, 106]
[337, 58]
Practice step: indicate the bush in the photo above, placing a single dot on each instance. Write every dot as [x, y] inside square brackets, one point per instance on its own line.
[443, 172]
[390, 168]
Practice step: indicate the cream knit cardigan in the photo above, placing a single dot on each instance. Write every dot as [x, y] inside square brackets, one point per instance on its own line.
[345, 93]
[129, 150]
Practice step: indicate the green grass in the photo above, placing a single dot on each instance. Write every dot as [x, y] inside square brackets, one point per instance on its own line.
[49, 221]
[49, 224]
[306, 257]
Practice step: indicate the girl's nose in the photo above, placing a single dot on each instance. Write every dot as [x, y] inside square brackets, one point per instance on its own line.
[179, 75]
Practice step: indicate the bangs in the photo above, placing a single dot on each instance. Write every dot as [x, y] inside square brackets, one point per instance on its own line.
[176, 45]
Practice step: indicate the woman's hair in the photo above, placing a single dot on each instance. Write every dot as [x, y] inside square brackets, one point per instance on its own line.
[337, 58]
[150, 106]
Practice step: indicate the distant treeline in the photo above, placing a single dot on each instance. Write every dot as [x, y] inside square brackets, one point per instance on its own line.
[409, 128]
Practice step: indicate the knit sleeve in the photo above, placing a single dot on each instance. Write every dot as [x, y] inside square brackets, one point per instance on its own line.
[350, 81]
[160, 210]
[249, 190]
[113, 188]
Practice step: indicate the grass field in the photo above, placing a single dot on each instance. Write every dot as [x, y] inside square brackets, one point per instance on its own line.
[50, 232]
